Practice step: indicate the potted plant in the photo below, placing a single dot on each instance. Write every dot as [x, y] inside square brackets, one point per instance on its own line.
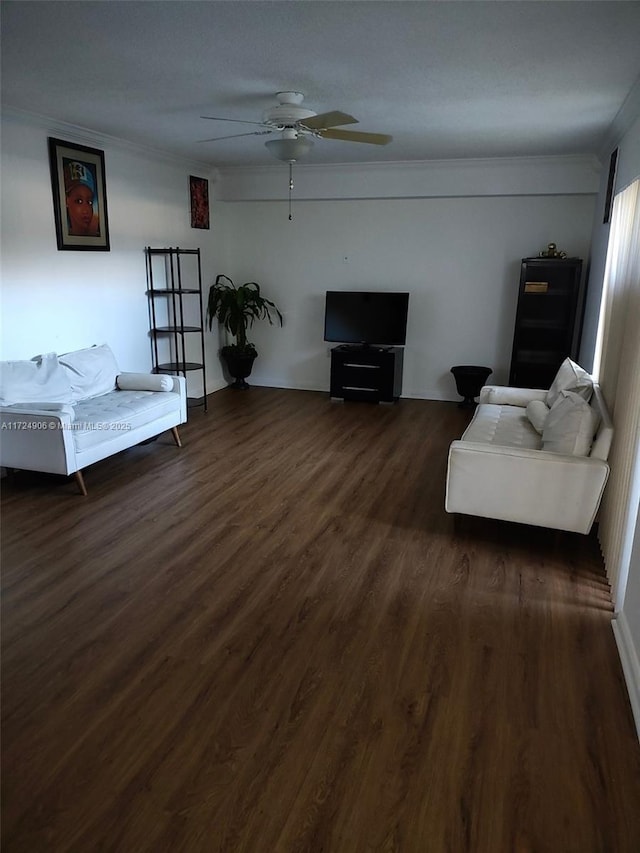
[236, 308]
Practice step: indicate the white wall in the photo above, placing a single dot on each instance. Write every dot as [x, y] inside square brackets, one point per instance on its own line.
[628, 156]
[62, 300]
[626, 627]
[457, 254]
[459, 257]
[627, 622]
[628, 168]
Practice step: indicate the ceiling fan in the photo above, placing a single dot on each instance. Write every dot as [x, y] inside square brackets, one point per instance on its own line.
[298, 126]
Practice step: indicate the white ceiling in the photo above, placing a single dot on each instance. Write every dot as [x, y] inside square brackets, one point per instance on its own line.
[446, 79]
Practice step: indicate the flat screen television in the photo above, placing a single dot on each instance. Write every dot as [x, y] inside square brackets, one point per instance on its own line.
[366, 318]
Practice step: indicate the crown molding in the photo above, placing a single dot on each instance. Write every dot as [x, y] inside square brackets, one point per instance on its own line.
[543, 175]
[628, 113]
[93, 138]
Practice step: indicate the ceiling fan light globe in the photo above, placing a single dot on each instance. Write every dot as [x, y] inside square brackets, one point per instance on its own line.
[289, 150]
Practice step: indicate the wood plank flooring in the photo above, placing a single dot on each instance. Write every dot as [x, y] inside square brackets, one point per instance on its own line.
[275, 640]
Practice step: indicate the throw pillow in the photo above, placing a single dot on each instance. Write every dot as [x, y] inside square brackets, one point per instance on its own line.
[92, 371]
[570, 426]
[504, 395]
[39, 380]
[144, 382]
[537, 412]
[570, 377]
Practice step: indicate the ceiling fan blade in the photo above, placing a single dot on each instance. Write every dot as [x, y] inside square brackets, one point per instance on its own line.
[235, 135]
[356, 136]
[324, 120]
[238, 120]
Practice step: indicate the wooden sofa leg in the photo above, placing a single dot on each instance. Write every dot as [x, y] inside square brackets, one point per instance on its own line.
[176, 436]
[80, 482]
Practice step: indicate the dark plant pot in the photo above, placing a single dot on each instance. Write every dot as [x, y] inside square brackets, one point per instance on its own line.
[239, 365]
[469, 381]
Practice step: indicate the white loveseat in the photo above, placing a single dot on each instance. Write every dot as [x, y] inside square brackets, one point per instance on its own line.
[534, 456]
[59, 414]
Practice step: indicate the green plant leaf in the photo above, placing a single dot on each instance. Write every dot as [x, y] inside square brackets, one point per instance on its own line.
[237, 308]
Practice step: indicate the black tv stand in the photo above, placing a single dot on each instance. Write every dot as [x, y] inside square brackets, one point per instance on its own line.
[364, 348]
[366, 373]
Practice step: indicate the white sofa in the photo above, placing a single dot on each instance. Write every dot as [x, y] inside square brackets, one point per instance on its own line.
[534, 456]
[59, 414]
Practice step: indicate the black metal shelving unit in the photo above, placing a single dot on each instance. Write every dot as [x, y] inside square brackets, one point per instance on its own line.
[183, 320]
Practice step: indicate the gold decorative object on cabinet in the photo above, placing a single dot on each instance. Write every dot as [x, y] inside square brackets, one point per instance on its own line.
[552, 252]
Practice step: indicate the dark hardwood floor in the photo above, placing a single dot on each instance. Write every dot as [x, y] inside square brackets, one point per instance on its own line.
[275, 640]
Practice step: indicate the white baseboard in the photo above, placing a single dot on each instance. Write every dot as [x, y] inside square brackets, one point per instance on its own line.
[630, 663]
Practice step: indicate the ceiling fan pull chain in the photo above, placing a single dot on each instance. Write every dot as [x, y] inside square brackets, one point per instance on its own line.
[290, 187]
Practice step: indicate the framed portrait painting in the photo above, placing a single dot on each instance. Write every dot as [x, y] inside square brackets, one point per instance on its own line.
[199, 196]
[79, 196]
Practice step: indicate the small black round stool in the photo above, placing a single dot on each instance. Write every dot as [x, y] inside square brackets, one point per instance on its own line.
[469, 380]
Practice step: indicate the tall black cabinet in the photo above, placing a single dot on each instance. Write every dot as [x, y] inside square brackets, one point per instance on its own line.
[548, 319]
